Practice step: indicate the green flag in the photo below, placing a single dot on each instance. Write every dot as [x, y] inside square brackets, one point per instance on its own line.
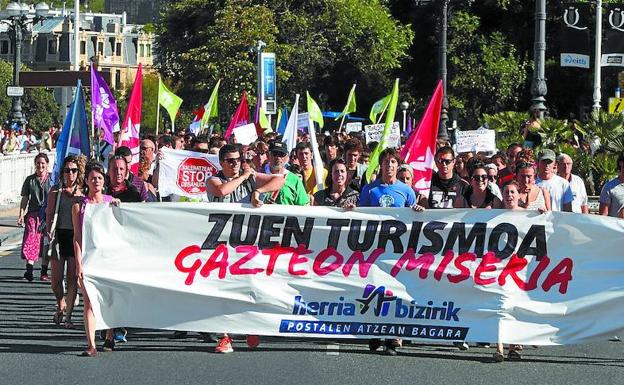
[315, 112]
[169, 100]
[351, 106]
[373, 161]
[211, 109]
[264, 121]
[378, 108]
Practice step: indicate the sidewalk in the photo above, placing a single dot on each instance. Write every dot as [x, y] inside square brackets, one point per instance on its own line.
[9, 231]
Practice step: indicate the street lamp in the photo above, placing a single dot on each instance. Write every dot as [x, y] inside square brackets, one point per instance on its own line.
[538, 85]
[404, 106]
[18, 19]
[442, 51]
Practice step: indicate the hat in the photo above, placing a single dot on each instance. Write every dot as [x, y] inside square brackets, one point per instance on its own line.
[278, 147]
[547, 155]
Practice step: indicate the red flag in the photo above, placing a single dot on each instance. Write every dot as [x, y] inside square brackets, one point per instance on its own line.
[195, 125]
[132, 123]
[421, 144]
[240, 118]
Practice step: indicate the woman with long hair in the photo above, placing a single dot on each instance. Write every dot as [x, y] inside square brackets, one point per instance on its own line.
[95, 182]
[60, 231]
[532, 197]
[478, 195]
[338, 192]
[34, 192]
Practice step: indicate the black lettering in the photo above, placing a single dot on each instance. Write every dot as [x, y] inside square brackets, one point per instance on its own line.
[253, 225]
[369, 235]
[336, 226]
[536, 233]
[436, 239]
[302, 236]
[414, 234]
[510, 244]
[391, 231]
[212, 240]
[268, 230]
[476, 236]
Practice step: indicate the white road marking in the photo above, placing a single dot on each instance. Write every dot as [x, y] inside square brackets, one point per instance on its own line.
[7, 248]
[333, 350]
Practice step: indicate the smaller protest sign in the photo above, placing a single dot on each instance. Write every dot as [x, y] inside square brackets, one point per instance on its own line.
[353, 127]
[480, 140]
[184, 173]
[375, 131]
[246, 134]
[303, 122]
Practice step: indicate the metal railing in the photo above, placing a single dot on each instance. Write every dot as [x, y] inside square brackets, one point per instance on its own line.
[13, 172]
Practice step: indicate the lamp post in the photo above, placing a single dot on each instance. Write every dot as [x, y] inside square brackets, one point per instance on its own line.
[18, 19]
[538, 85]
[404, 106]
[442, 53]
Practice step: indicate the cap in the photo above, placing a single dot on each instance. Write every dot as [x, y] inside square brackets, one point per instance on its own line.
[278, 147]
[547, 154]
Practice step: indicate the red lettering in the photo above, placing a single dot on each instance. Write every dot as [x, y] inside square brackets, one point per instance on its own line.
[561, 274]
[297, 259]
[464, 272]
[541, 266]
[513, 267]
[218, 260]
[363, 264]
[192, 270]
[448, 257]
[250, 252]
[424, 262]
[486, 265]
[273, 254]
[322, 257]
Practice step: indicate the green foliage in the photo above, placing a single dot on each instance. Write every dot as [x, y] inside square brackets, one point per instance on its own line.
[38, 104]
[322, 46]
[487, 72]
[507, 126]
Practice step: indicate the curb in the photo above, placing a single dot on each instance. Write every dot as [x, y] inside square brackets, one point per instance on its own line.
[10, 235]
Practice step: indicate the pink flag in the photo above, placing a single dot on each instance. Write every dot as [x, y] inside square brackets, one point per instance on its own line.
[132, 123]
[240, 118]
[421, 144]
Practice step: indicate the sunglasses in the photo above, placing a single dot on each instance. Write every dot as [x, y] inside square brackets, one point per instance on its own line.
[445, 161]
[278, 154]
[232, 160]
[68, 170]
[146, 148]
[477, 178]
[492, 178]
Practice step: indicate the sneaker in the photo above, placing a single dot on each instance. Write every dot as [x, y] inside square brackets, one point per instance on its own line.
[461, 345]
[109, 345]
[391, 346]
[119, 335]
[483, 344]
[374, 344]
[44, 277]
[253, 341]
[224, 345]
[615, 339]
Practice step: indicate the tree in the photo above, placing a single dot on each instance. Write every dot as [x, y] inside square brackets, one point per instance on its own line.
[38, 104]
[322, 45]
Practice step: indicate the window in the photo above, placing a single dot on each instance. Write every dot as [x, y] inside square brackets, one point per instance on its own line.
[100, 48]
[83, 47]
[148, 48]
[52, 47]
[4, 47]
[141, 50]
[118, 49]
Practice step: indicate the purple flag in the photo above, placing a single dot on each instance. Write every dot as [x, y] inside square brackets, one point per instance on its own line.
[104, 107]
[409, 128]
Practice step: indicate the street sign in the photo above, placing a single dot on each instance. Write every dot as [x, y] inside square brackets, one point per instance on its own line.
[14, 91]
[616, 105]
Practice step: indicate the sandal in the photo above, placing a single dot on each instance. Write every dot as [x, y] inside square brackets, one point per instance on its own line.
[498, 357]
[513, 355]
[91, 352]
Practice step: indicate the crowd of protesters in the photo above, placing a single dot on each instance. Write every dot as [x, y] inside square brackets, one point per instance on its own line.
[27, 140]
[266, 172]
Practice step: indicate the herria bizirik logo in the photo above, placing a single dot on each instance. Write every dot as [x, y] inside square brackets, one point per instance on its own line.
[380, 300]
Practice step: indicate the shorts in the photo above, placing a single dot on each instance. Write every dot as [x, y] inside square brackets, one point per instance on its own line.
[65, 241]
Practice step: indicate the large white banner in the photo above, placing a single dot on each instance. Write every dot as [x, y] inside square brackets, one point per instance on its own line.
[184, 173]
[475, 275]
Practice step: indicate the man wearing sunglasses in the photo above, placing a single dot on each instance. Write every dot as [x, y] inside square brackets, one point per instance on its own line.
[293, 192]
[612, 194]
[446, 185]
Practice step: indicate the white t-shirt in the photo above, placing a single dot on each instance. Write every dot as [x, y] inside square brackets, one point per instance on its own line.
[579, 192]
[559, 190]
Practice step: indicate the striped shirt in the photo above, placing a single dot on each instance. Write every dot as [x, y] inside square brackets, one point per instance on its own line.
[241, 194]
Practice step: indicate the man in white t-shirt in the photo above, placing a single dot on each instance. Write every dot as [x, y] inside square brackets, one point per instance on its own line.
[564, 169]
[561, 195]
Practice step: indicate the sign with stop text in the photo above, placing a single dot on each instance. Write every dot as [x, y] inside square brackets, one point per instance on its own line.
[445, 275]
[184, 173]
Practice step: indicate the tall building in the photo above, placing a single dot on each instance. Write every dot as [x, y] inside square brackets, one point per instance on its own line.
[138, 11]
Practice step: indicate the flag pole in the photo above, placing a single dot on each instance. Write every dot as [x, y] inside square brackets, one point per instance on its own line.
[341, 122]
[158, 107]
